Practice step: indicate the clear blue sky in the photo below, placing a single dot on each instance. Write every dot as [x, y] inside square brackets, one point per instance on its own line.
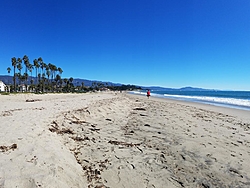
[170, 43]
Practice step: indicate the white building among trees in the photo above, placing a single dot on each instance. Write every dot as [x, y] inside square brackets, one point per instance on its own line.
[2, 86]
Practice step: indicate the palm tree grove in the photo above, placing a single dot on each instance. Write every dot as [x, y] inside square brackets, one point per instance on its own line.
[39, 77]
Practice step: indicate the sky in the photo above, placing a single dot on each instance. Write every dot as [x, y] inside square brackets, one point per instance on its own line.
[168, 43]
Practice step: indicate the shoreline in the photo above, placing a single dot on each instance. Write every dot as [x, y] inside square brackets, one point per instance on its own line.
[121, 140]
[218, 104]
[198, 104]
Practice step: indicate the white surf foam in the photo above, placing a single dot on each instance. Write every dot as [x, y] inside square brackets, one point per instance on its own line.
[230, 101]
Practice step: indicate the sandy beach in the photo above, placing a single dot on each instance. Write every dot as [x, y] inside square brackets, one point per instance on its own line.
[120, 140]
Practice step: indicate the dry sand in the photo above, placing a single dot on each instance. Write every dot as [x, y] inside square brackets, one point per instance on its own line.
[120, 140]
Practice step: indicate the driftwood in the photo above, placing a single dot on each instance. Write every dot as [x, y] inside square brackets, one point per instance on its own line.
[142, 109]
[94, 129]
[123, 143]
[33, 100]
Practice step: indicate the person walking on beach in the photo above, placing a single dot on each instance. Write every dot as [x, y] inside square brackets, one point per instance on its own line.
[148, 93]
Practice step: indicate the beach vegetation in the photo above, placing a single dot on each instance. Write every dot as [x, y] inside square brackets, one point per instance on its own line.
[4, 93]
[47, 76]
[48, 79]
[124, 88]
[14, 64]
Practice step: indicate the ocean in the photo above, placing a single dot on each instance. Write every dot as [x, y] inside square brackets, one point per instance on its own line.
[231, 99]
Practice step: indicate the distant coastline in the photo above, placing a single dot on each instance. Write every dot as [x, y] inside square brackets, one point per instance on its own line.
[77, 81]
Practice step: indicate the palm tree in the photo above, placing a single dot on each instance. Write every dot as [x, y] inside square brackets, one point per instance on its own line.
[71, 83]
[36, 65]
[25, 78]
[48, 75]
[40, 60]
[60, 71]
[71, 80]
[14, 64]
[30, 68]
[57, 80]
[66, 82]
[49, 67]
[53, 76]
[9, 69]
[60, 74]
[27, 64]
[19, 61]
[19, 67]
[43, 66]
[19, 76]
[39, 82]
[43, 70]
[43, 80]
[54, 70]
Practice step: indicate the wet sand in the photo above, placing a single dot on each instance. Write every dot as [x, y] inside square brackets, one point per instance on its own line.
[121, 140]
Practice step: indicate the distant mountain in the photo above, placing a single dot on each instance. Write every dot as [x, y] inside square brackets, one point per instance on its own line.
[174, 89]
[6, 79]
[157, 88]
[193, 89]
[77, 82]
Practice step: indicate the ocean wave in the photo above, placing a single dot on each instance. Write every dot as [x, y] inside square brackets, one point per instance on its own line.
[229, 101]
[145, 93]
[213, 100]
[138, 92]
